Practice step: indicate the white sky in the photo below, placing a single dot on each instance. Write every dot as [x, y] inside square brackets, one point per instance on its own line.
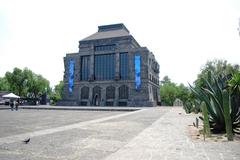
[183, 34]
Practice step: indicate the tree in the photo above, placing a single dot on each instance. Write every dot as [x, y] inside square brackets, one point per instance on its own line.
[59, 88]
[25, 83]
[37, 86]
[4, 86]
[165, 80]
[183, 93]
[169, 91]
[218, 86]
[218, 68]
[17, 82]
[57, 92]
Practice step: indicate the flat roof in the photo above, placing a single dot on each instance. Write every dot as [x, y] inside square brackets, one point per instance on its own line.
[109, 31]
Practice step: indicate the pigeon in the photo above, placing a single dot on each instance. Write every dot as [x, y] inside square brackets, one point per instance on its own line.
[26, 141]
[194, 124]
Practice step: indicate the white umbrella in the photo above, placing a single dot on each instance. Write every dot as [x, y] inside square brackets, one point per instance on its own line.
[11, 95]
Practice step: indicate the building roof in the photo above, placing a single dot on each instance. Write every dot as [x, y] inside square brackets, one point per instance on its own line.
[109, 31]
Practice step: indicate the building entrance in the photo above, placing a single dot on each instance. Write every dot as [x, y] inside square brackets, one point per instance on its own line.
[96, 100]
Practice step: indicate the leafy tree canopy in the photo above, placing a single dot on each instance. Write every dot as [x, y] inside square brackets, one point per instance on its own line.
[57, 92]
[25, 83]
[4, 86]
[170, 91]
[218, 68]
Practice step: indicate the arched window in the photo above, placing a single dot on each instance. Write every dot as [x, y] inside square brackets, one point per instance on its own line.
[110, 92]
[84, 93]
[96, 97]
[97, 91]
[123, 92]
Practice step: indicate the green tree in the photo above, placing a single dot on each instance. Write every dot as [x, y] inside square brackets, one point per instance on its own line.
[59, 88]
[183, 93]
[4, 86]
[17, 82]
[169, 91]
[218, 68]
[37, 86]
[57, 92]
[166, 80]
[25, 83]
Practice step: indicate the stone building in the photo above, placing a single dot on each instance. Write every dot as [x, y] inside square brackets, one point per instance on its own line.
[111, 69]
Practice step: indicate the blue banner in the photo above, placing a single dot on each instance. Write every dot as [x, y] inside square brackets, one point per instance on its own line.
[71, 76]
[137, 72]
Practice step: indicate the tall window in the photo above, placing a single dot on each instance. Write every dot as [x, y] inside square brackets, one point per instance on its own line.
[84, 93]
[123, 92]
[110, 92]
[85, 62]
[124, 66]
[104, 67]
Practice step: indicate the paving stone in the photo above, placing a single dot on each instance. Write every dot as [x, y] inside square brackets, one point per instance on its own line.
[149, 134]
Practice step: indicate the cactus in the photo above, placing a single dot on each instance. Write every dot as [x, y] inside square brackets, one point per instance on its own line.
[227, 117]
[206, 126]
[212, 94]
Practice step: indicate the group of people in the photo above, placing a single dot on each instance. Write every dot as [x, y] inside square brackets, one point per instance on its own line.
[14, 104]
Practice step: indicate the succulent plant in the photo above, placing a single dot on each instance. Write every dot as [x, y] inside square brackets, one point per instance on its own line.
[212, 94]
[227, 116]
[205, 119]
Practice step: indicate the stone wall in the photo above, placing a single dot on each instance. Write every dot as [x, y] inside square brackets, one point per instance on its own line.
[143, 97]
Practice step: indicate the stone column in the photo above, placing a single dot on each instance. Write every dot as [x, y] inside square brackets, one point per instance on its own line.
[115, 103]
[103, 97]
[91, 75]
[117, 60]
[90, 96]
[131, 66]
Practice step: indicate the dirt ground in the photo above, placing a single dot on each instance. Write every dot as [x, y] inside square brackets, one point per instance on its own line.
[196, 134]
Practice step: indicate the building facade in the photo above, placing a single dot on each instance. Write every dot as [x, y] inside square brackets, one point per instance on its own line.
[111, 69]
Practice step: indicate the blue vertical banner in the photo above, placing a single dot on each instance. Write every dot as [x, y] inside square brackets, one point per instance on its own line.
[137, 72]
[71, 76]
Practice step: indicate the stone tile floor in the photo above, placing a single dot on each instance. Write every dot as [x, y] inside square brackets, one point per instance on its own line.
[147, 134]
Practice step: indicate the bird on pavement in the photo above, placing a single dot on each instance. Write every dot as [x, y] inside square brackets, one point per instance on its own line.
[194, 124]
[26, 141]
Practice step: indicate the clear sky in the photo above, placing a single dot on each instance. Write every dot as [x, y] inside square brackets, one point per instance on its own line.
[183, 34]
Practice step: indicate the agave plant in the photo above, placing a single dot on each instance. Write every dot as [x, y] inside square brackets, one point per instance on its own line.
[212, 94]
[187, 106]
[234, 85]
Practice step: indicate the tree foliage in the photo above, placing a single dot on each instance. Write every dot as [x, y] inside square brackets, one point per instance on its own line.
[57, 92]
[218, 68]
[170, 91]
[218, 86]
[25, 83]
[4, 86]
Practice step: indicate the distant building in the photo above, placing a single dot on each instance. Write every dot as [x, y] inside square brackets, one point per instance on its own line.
[111, 69]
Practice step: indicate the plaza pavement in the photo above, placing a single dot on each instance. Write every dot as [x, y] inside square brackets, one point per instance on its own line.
[147, 134]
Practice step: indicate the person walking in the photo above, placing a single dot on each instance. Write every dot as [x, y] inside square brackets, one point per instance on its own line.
[17, 104]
